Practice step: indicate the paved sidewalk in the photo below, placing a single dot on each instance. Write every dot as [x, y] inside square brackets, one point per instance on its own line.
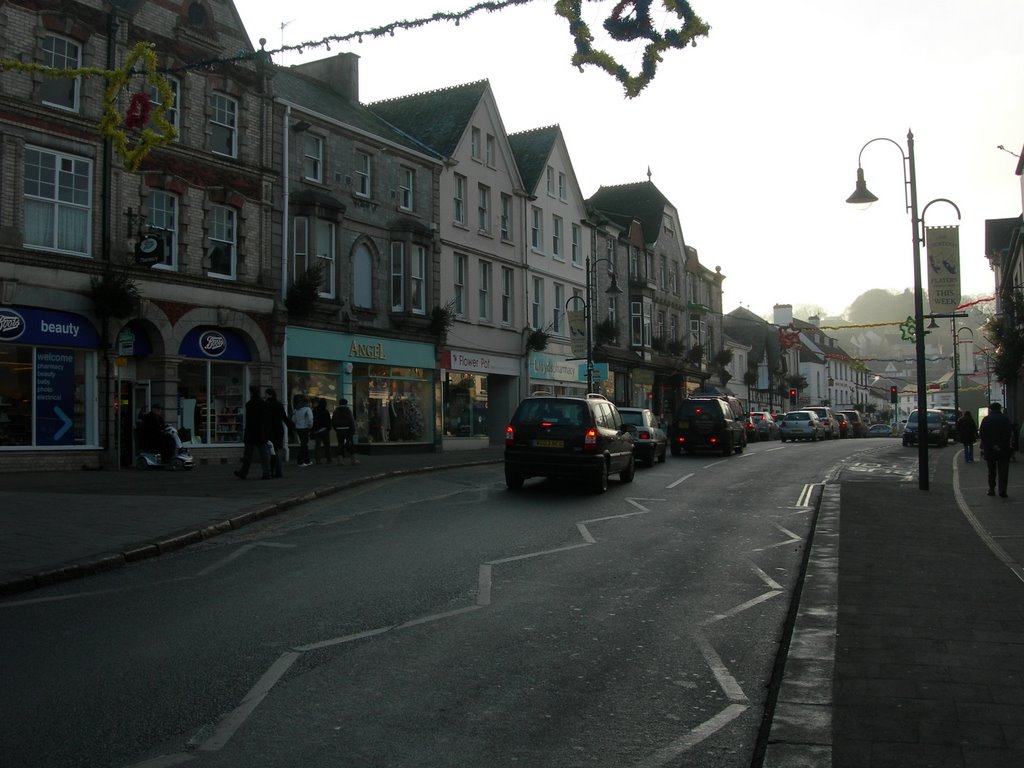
[908, 648]
[914, 655]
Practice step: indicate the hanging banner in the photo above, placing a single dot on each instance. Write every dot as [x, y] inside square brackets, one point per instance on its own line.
[943, 244]
[577, 332]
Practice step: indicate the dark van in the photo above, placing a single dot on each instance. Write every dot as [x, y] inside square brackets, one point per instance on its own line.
[712, 423]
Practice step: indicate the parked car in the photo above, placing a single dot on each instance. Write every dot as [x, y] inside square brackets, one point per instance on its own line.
[801, 425]
[568, 437]
[937, 429]
[858, 427]
[880, 430]
[750, 427]
[767, 427]
[650, 442]
[827, 418]
[707, 423]
[845, 428]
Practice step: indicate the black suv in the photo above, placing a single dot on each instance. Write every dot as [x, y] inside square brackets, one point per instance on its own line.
[570, 437]
[711, 423]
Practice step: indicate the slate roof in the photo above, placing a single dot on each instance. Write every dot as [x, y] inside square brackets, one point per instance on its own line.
[309, 92]
[756, 332]
[531, 150]
[640, 200]
[436, 118]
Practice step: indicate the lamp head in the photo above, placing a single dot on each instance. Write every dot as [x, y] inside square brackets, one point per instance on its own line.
[613, 289]
[861, 196]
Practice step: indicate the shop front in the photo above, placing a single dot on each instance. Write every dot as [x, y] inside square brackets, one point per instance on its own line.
[389, 384]
[213, 385]
[48, 383]
[479, 392]
[554, 374]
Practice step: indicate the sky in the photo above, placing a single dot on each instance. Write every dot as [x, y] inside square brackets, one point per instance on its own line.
[754, 134]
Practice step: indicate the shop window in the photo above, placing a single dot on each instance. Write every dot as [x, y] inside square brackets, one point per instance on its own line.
[43, 396]
[212, 397]
[162, 217]
[392, 404]
[61, 92]
[220, 241]
[464, 396]
[223, 125]
[58, 201]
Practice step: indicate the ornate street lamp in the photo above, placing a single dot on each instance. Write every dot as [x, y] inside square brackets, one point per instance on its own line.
[612, 290]
[863, 197]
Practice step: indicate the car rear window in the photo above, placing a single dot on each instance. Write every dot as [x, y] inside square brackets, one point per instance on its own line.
[690, 407]
[798, 417]
[565, 413]
[632, 417]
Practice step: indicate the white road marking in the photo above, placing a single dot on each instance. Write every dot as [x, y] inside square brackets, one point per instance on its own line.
[722, 674]
[1004, 557]
[682, 479]
[234, 720]
[669, 754]
[239, 552]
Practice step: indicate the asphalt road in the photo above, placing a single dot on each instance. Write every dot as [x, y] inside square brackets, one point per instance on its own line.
[435, 620]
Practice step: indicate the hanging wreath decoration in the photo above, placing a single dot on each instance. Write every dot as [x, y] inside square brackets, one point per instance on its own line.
[630, 20]
[151, 122]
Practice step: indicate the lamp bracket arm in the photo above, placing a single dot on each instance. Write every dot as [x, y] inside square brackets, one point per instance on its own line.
[906, 163]
[940, 200]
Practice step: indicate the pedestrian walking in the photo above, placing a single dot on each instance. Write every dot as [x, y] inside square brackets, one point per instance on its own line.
[280, 427]
[255, 435]
[344, 424]
[321, 431]
[967, 433]
[302, 418]
[996, 434]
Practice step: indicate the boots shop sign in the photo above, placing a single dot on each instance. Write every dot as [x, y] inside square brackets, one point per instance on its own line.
[24, 325]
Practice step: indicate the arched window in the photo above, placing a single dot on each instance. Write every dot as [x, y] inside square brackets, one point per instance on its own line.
[362, 277]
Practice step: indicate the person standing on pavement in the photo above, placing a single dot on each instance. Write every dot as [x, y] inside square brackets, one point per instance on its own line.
[302, 418]
[344, 424]
[255, 435]
[996, 434]
[321, 431]
[280, 427]
[967, 434]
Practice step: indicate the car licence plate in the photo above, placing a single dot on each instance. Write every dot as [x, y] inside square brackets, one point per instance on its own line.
[684, 425]
[548, 444]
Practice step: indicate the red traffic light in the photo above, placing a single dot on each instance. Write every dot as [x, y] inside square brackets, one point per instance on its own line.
[893, 398]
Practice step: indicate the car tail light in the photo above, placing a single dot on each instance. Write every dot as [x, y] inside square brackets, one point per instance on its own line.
[510, 436]
[714, 440]
[590, 440]
[644, 434]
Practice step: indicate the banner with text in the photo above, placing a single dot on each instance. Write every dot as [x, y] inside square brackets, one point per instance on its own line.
[943, 245]
[577, 332]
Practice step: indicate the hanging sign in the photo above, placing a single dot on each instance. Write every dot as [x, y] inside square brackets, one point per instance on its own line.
[943, 245]
[577, 332]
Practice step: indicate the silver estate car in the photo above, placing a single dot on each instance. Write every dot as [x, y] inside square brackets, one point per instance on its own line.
[801, 425]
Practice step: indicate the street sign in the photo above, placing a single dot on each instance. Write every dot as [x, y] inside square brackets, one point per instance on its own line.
[600, 372]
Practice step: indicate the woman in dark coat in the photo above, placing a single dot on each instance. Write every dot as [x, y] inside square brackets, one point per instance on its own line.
[277, 421]
[967, 433]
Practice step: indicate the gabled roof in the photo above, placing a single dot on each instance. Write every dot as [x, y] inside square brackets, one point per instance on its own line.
[641, 201]
[437, 118]
[307, 92]
[756, 332]
[532, 150]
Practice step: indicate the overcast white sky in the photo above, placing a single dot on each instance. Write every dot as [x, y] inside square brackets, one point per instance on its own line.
[754, 134]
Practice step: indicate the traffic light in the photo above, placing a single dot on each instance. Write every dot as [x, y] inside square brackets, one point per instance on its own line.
[792, 396]
[893, 395]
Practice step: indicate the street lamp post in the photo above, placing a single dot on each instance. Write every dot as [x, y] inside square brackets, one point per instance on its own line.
[612, 290]
[862, 196]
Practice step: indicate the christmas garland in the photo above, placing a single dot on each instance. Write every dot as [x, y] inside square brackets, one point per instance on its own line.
[627, 27]
[153, 128]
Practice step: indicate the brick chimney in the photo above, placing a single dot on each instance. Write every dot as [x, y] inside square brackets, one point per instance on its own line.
[340, 73]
